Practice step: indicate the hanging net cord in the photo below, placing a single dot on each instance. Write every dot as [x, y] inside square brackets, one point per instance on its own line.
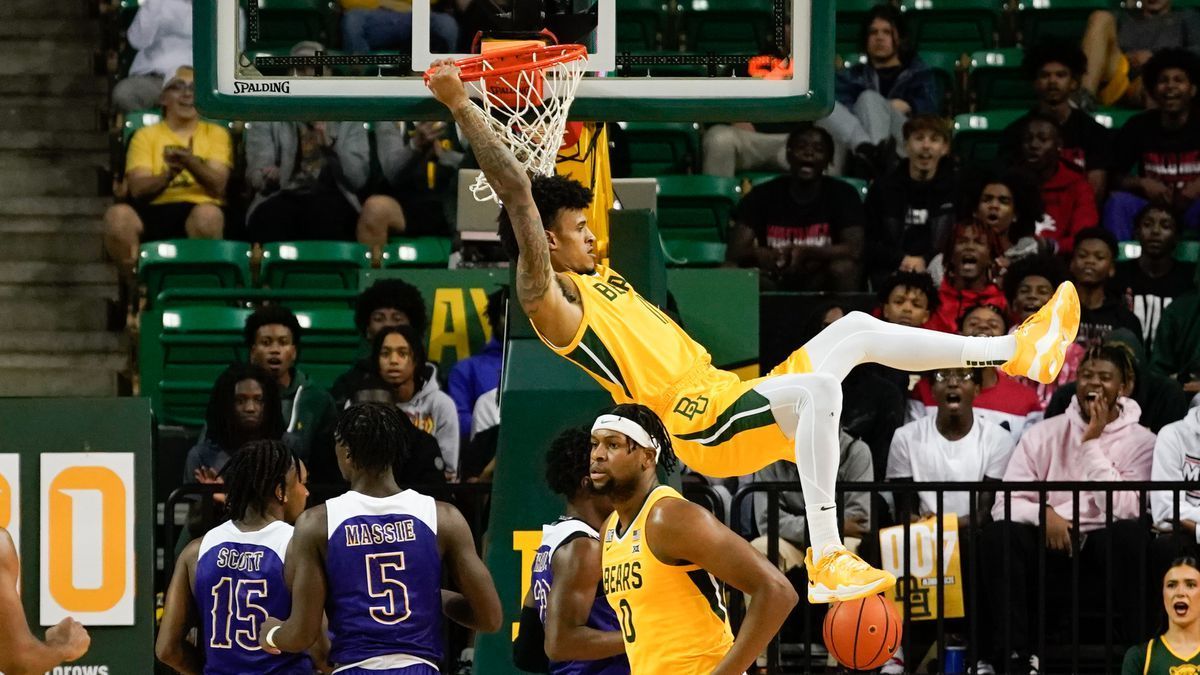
[528, 109]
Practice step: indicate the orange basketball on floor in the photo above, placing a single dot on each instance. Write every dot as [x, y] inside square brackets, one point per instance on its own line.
[862, 634]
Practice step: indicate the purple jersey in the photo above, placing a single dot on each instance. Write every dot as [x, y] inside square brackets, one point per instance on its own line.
[602, 617]
[385, 580]
[239, 583]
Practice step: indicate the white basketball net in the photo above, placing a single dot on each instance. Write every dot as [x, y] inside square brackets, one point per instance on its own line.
[533, 119]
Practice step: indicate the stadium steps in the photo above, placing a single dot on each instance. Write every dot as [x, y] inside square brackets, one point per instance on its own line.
[50, 113]
[55, 286]
[72, 11]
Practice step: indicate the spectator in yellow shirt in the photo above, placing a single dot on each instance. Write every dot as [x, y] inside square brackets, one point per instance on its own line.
[176, 171]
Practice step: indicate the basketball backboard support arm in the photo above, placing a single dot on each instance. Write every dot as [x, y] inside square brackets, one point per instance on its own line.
[229, 87]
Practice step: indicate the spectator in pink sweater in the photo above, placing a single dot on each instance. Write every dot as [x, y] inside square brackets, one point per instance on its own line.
[1098, 439]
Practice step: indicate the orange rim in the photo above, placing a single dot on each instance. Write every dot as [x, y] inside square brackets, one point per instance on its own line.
[472, 67]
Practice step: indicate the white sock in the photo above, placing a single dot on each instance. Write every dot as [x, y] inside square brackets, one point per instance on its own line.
[979, 352]
[822, 528]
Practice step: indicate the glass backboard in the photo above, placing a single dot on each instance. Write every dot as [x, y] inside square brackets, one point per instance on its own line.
[649, 60]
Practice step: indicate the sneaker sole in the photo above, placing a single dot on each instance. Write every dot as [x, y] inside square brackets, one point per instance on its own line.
[820, 593]
[1054, 342]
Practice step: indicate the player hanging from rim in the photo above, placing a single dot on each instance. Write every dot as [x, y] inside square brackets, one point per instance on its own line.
[663, 557]
[232, 578]
[20, 651]
[567, 626]
[372, 560]
[722, 426]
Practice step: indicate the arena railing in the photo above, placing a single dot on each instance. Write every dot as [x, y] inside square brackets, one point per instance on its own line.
[1074, 662]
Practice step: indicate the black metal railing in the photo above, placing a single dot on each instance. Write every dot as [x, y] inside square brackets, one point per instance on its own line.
[1074, 661]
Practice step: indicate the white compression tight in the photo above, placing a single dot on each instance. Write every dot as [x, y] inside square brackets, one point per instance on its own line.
[808, 406]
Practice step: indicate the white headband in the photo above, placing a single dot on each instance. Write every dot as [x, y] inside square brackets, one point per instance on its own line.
[626, 426]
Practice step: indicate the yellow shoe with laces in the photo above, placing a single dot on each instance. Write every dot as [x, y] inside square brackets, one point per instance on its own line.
[1043, 338]
[840, 575]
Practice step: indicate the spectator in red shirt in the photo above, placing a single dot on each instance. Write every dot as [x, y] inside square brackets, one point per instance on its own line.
[1070, 203]
[1001, 399]
[970, 266]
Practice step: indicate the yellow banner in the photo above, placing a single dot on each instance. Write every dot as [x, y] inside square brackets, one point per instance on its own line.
[922, 582]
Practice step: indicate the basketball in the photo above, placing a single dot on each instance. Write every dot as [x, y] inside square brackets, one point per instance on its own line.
[862, 634]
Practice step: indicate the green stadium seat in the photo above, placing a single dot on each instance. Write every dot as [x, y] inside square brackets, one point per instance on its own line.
[126, 10]
[657, 148]
[1114, 118]
[959, 26]
[1188, 251]
[850, 15]
[136, 120]
[997, 81]
[860, 186]
[1055, 20]
[192, 263]
[1185, 251]
[331, 342]
[977, 135]
[641, 24]
[417, 252]
[693, 253]
[196, 344]
[696, 207]
[945, 69]
[283, 23]
[314, 264]
[727, 26]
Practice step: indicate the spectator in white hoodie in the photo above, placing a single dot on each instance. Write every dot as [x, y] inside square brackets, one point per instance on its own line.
[162, 33]
[1176, 458]
[400, 356]
[1097, 439]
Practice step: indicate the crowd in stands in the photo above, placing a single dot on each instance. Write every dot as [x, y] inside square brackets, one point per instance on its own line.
[950, 247]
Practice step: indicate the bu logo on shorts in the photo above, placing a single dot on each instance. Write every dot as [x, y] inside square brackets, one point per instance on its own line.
[689, 408]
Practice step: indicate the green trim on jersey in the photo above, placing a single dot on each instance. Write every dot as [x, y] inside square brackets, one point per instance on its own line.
[1157, 658]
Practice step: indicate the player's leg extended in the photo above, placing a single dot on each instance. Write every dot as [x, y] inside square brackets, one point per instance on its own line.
[807, 408]
[1036, 350]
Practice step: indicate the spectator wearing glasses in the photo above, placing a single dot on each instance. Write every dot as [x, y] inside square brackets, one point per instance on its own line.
[997, 396]
[161, 33]
[951, 444]
[176, 172]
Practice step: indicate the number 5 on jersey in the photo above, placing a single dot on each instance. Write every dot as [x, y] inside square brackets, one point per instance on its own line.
[383, 572]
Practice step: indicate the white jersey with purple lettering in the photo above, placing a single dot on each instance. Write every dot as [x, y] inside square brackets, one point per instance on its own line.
[385, 580]
[239, 583]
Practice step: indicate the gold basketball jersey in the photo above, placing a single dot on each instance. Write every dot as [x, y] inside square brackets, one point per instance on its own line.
[634, 350]
[673, 617]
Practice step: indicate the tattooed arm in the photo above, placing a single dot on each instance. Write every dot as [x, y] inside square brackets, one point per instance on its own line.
[546, 301]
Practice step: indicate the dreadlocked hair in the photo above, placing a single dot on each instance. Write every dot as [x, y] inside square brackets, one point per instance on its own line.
[649, 421]
[220, 416]
[568, 461]
[253, 474]
[1117, 353]
[375, 434]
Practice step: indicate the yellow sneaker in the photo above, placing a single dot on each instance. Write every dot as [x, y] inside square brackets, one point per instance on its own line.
[840, 575]
[1043, 339]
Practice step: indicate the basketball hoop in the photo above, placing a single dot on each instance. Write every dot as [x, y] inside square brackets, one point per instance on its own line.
[525, 92]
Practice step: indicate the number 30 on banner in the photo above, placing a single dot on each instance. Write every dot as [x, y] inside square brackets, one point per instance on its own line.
[87, 562]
